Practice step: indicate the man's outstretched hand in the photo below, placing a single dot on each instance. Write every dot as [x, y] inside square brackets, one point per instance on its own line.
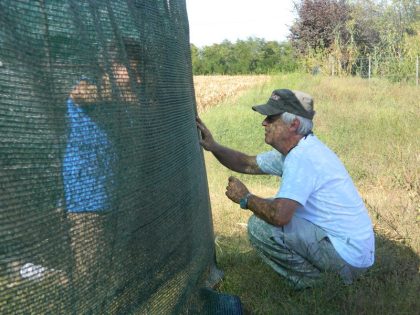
[207, 141]
[236, 190]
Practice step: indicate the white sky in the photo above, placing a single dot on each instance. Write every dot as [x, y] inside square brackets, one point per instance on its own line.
[212, 21]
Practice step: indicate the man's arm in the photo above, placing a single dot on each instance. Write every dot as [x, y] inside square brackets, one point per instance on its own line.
[232, 159]
[277, 212]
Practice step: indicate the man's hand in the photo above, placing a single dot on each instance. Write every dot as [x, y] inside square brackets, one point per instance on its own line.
[207, 141]
[84, 93]
[236, 190]
[232, 159]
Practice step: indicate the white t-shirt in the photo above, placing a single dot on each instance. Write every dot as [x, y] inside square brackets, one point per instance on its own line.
[315, 177]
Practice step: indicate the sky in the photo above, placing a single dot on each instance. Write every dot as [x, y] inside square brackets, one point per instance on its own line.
[212, 21]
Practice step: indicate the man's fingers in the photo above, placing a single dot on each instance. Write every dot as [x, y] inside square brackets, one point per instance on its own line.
[199, 122]
[201, 127]
[229, 195]
[232, 179]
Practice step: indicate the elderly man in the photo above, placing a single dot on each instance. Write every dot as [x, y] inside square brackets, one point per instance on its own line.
[317, 221]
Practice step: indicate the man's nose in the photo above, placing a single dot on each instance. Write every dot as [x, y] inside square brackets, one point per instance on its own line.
[264, 122]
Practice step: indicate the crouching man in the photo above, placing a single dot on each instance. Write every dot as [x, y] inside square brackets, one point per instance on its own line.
[317, 222]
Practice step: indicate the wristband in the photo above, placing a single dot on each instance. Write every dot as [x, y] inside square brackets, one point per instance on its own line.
[243, 203]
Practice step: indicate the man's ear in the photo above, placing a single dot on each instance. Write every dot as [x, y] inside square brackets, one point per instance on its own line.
[295, 124]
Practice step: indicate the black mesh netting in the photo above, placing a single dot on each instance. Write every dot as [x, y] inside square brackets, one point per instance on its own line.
[104, 206]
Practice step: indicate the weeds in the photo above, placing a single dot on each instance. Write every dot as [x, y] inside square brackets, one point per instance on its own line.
[373, 128]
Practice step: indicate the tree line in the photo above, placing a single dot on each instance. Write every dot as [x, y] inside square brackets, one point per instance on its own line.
[343, 32]
[254, 55]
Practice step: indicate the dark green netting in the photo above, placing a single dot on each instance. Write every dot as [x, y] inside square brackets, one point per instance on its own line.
[104, 206]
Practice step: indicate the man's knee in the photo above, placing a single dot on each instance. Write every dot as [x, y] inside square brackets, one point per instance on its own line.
[253, 227]
[259, 231]
[252, 222]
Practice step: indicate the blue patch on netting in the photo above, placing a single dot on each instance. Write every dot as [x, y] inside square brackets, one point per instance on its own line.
[104, 202]
[220, 304]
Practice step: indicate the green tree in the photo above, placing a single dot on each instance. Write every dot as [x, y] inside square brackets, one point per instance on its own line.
[343, 35]
[253, 55]
[318, 23]
[196, 59]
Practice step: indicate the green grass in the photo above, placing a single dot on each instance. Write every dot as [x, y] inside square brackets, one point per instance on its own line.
[374, 128]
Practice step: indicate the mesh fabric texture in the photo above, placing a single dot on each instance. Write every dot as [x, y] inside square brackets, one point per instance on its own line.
[104, 205]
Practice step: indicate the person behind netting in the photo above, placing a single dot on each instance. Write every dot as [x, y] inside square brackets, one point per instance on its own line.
[90, 166]
[317, 222]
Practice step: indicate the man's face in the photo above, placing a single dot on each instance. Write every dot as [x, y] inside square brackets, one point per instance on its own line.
[134, 67]
[123, 81]
[121, 74]
[276, 130]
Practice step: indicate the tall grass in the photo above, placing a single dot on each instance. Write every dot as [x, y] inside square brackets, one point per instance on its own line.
[374, 128]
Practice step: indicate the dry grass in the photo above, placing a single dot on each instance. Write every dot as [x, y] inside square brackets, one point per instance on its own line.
[374, 128]
[213, 90]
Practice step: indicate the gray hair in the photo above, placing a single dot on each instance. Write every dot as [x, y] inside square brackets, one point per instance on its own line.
[305, 125]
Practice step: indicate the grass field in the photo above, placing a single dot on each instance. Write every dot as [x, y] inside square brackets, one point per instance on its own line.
[374, 127]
